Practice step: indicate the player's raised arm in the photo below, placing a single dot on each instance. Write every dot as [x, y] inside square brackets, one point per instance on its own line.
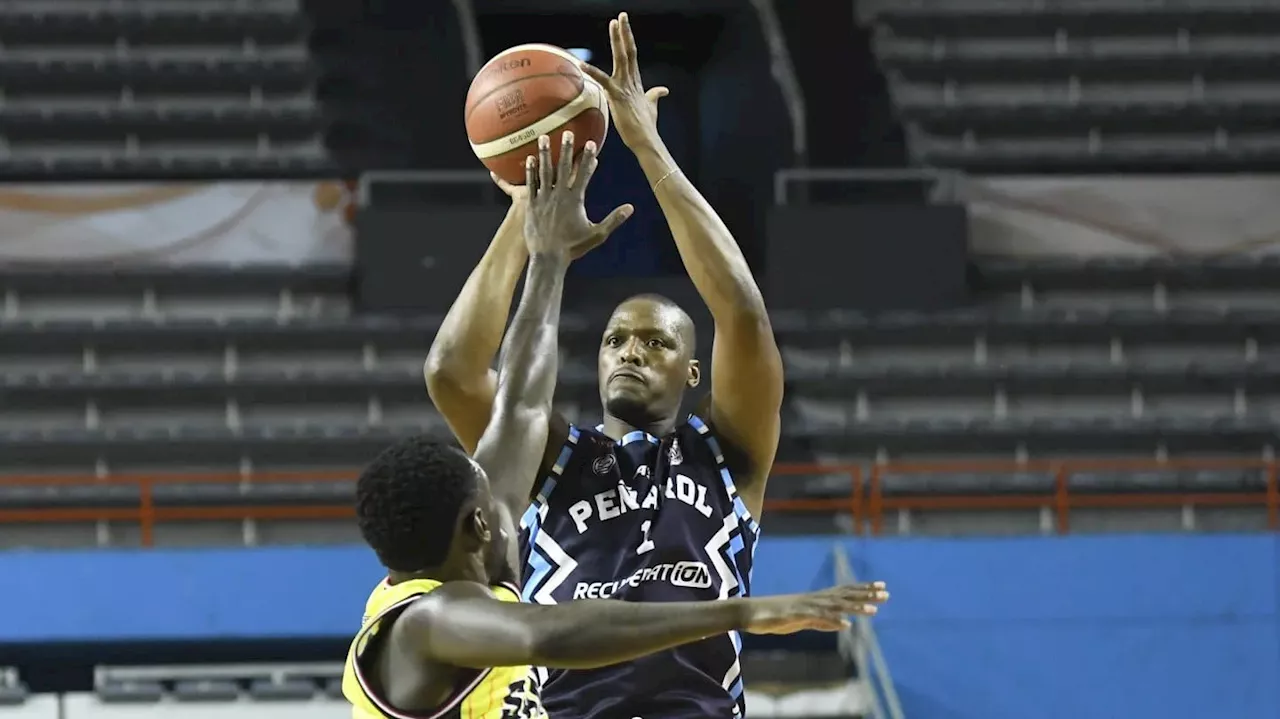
[458, 371]
[746, 366]
[463, 625]
[512, 445]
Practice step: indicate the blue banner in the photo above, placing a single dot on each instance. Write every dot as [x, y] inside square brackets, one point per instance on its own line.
[1162, 626]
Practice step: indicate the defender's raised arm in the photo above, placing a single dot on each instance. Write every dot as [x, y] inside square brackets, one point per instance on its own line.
[512, 446]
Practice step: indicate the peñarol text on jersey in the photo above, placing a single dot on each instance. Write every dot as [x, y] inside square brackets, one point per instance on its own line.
[642, 519]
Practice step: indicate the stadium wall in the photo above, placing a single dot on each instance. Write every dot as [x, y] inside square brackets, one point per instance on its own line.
[1134, 626]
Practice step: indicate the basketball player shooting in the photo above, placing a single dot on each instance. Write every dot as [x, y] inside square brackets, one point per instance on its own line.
[444, 635]
[650, 505]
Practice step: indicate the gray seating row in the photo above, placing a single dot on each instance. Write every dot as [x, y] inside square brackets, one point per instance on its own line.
[1087, 19]
[165, 25]
[118, 72]
[1188, 155]
[200, 281]
[319, 385]
[1084, 64]
[276, 122]
[350, 444]
[1233, 272]
[303, 165]
[1056, 325]
[1121, 273]
[1028, 116]
[1083, 88]
[180, 76]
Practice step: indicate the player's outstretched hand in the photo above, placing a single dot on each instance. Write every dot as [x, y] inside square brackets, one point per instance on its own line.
[556, 219]
[634, 109]
[824, 611]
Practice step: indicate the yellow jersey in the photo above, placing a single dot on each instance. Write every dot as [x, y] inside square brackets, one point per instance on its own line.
[495, 693]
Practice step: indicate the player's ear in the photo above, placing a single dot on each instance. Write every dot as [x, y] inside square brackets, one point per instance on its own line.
[695, 374]
[475, 529]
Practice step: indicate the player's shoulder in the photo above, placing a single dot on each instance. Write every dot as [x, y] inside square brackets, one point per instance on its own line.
[588, 441]
[435, 606]
[700, 438]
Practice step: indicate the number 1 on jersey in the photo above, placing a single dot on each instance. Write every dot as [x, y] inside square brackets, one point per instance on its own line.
[646, 544]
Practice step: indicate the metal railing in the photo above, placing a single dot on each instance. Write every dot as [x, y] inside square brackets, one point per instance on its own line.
[860, 645]
[866, 502]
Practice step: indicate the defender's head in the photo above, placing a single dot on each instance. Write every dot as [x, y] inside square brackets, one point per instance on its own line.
[423, 504]
[646, 360]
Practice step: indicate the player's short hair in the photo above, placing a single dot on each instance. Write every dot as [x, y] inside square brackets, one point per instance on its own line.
[688, 331]
[408, 500]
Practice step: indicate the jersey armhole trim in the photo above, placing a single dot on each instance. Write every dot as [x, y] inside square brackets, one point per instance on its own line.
[532, 515]
[449, 705]
[726, 476]
[531, 520]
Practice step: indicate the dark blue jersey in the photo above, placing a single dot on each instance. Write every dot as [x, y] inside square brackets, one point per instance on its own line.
[643, 519]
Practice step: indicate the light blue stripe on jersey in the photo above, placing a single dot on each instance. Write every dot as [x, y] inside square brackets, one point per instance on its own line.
[736, 545]
[637, 436]
[739, 507]
[531, 520]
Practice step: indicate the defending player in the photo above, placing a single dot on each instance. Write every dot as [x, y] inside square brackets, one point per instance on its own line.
[444, 635]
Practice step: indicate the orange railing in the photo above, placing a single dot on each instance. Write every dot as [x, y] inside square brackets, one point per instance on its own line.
[146, 514]
[866, 501]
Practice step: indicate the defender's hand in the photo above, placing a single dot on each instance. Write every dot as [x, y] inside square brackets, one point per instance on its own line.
[519, 195]
[825, 611]
[556, 219]
[634, 109]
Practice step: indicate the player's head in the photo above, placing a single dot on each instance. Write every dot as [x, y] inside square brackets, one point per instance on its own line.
[646, 360]
[424, 505]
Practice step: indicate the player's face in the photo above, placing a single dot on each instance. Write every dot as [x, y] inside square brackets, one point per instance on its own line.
[643, 362]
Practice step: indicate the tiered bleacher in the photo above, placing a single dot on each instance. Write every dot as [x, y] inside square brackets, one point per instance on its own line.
[157, 89]
[264, 385]
[1111, 85]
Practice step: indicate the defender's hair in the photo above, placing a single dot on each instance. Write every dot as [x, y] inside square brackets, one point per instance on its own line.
[408, 500]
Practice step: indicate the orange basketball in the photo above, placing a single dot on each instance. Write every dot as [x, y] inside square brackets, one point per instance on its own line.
[527, 91]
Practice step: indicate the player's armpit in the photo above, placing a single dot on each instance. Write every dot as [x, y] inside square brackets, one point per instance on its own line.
[557, 435]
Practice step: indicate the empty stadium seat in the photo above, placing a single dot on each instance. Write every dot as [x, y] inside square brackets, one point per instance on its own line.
[194, 91]
[1095, 87]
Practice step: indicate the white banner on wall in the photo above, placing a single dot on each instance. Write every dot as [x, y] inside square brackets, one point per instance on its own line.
[1126, 216]
[175, 223]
